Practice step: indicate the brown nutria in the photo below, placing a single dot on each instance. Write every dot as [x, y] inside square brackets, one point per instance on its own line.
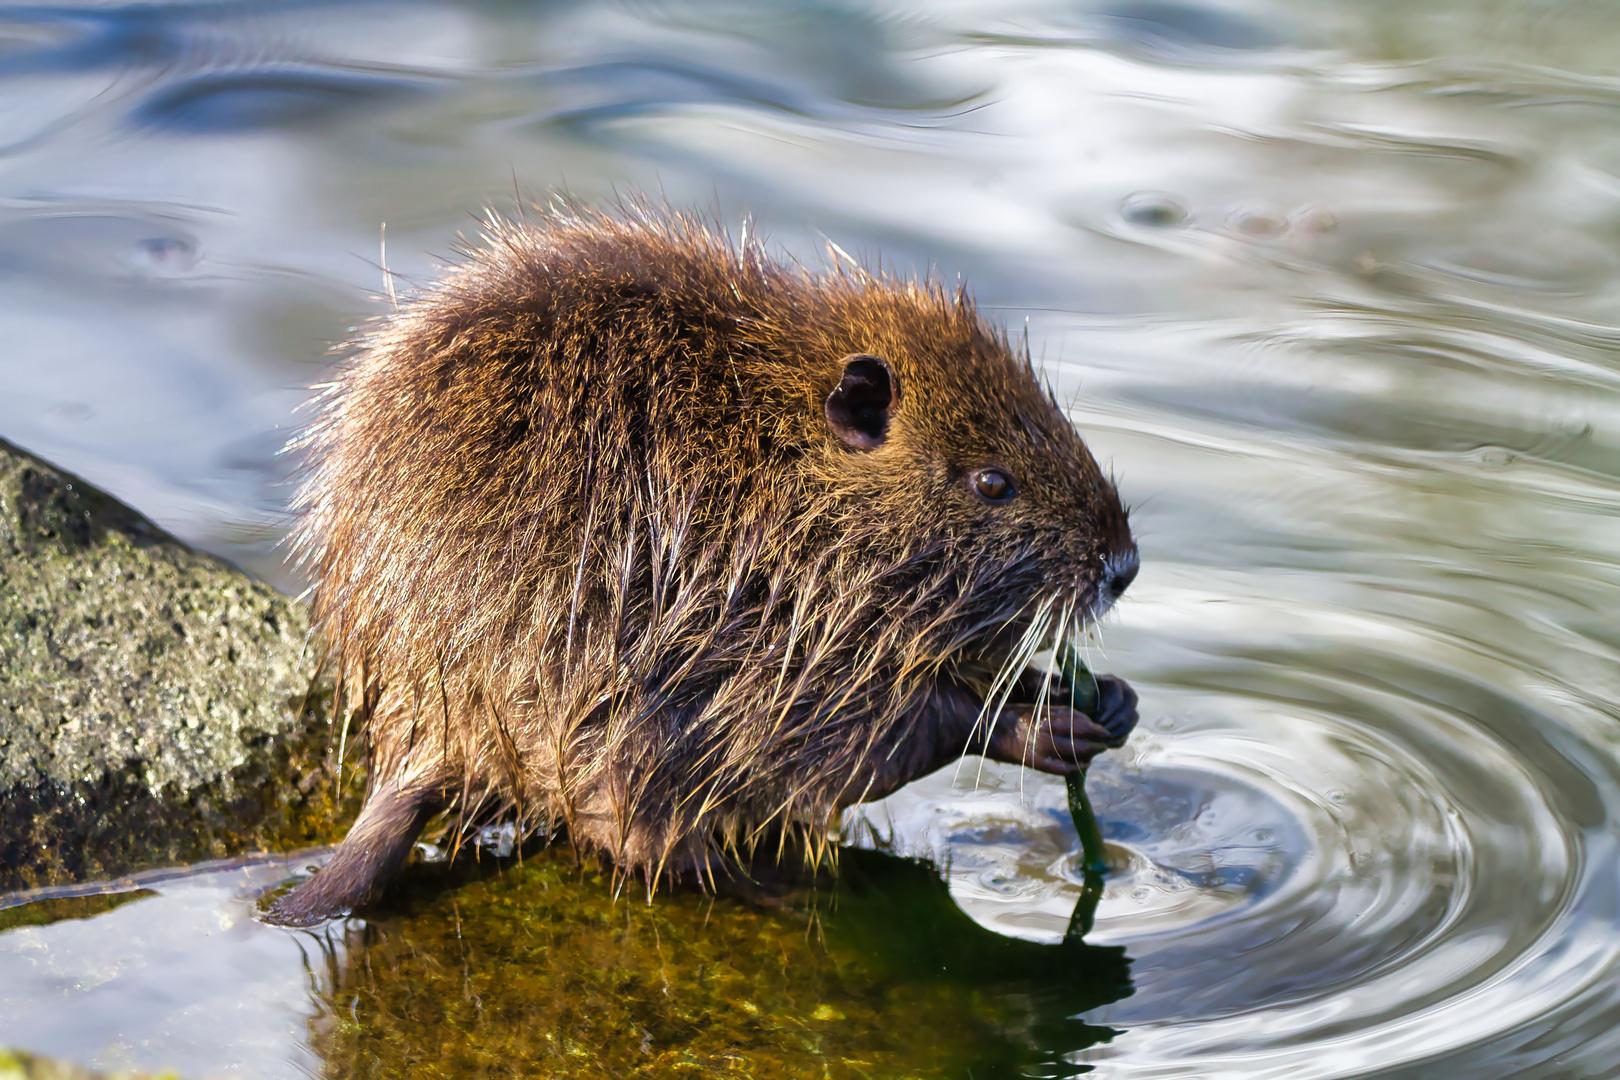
[631, 531]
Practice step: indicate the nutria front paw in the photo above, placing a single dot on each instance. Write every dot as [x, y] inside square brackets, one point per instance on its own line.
[1057, 739]
[1116, 708]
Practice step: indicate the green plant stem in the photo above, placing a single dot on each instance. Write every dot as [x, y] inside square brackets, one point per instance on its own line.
[1092, 854]
[1082, 687]
[1084, 916]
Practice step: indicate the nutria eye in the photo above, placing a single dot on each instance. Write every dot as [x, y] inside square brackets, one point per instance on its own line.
[993, 485]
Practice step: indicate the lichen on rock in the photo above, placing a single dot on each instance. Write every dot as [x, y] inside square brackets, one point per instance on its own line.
[15, 1065]
[156, 703]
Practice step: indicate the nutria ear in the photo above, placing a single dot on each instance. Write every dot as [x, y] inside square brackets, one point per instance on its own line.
[858, 407]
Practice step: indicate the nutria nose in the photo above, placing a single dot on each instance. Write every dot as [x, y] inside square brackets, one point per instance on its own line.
[1119, 570]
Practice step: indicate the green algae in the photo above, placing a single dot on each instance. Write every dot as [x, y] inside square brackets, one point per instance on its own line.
[155, 702]
[57, 909]
[15, 1065]
[537, 970]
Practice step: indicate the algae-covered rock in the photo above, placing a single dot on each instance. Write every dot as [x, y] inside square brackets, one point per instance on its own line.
[155, 702]
[542, 969]
[19, 1066]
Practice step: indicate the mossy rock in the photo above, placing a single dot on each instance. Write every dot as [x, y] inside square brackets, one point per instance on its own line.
[543, 969]
[156, 704]
[19, 1066]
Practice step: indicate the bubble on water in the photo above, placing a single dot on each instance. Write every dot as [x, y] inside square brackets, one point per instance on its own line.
[1154, 210]
[1313, 220]
[1259, 222]
[164, 256]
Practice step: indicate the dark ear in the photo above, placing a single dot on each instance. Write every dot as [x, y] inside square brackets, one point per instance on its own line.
[858, 407]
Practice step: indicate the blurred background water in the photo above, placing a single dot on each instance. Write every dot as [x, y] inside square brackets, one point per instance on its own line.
[1332, 284]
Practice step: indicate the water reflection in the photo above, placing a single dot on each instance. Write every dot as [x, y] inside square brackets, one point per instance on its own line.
[537, 970]
[166, 970]
[217, 103]
[1333, 285]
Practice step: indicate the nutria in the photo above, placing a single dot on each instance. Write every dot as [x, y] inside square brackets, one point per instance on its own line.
[638, 535]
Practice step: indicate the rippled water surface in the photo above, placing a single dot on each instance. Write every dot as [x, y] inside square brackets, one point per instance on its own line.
[1332, 285]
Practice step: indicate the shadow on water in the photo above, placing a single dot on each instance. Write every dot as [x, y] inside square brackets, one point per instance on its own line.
[537, 970]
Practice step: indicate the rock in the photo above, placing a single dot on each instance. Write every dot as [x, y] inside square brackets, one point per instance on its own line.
[156, 704]
[15, 1065]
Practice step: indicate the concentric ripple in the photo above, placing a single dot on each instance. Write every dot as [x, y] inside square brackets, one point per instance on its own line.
[1367, 821]
[1343, 871]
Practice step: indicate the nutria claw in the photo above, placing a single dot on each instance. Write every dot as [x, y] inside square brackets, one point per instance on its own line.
[1058, 739]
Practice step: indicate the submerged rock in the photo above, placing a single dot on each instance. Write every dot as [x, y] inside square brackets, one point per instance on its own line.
[156, 703]
[15, 1065]
[540, 969]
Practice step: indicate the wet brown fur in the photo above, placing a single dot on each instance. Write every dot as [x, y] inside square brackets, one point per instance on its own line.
[587, 550]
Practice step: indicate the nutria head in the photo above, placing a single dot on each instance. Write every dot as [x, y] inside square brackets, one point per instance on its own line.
[946, 435]
[643, 535]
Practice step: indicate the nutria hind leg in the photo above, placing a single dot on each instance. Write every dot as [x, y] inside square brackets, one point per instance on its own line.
[368, 859]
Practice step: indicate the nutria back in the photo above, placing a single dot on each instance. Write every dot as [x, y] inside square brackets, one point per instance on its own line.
[633, 532]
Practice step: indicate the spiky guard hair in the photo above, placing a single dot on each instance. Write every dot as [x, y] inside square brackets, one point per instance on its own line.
[586, 547]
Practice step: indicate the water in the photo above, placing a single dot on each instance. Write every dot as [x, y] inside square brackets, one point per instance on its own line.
[1332, 285]
[168, 970]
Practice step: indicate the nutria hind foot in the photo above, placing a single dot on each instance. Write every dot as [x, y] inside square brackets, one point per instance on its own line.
[371, 855]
